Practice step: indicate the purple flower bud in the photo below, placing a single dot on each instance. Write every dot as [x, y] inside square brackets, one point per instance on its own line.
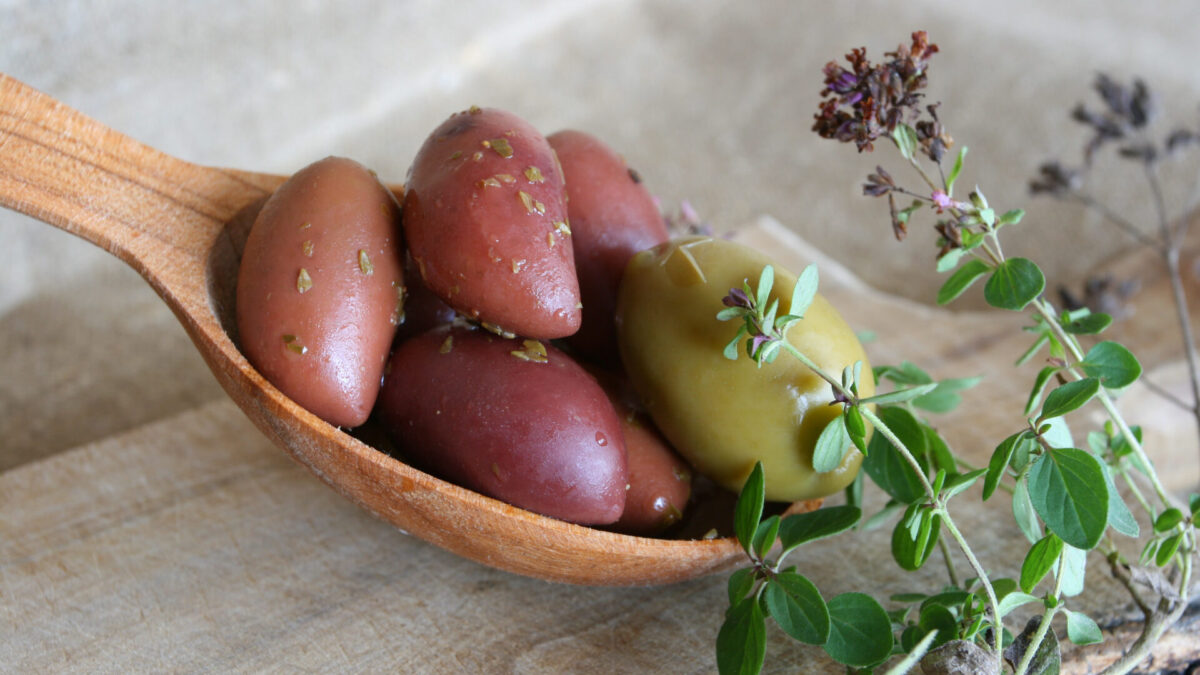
[737, 298]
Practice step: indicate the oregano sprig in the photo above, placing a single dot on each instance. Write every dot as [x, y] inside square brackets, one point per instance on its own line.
[1064, 498]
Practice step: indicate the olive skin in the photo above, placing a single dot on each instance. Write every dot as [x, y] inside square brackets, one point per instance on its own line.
[513, 419]
[320, 287]
[724, 415]
[485, 219]
[613, 216]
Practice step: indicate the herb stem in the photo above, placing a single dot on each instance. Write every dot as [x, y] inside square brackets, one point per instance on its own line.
[981, 574]
[1157, 623]
[1137, 493]
[1047, 618]
[1043, 308]
[1170, 253]
[950, 571]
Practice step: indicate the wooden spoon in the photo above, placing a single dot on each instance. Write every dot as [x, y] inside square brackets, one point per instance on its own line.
[181, 226]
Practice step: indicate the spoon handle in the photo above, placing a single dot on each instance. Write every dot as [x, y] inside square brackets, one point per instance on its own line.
[149, 209]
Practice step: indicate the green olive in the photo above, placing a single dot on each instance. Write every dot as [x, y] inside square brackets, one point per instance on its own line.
[724, 415]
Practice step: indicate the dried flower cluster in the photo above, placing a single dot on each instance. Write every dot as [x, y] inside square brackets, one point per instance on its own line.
[867, 101]
[1129, 110]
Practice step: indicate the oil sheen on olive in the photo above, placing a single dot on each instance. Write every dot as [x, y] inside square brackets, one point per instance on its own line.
[723, 415]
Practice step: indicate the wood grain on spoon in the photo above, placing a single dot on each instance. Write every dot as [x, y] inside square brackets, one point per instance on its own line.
[181, 226]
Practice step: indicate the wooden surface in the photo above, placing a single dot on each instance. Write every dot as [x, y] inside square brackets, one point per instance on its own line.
[192, 543]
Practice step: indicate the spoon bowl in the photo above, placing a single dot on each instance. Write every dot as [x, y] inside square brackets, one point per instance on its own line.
[182, 227]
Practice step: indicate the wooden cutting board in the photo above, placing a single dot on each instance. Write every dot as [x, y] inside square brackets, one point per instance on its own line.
[193, 544]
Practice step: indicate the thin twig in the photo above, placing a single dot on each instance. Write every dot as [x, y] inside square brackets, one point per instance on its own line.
[1168, 395]
[1116, 219]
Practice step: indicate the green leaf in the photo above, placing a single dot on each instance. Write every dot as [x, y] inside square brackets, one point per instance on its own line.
[909, 552]
[950, 259]
[1039, 388]
[1011, 217]
[1023, 512]
[1090, 324]
[906, 140]
[1114, 365]
[955, 170]
[1072, 572]
[860, 633]
[1081, 630]
[831, 446]
[1194, 505]
[1119, 517]
[1068, 397]
[944, 396]
[999, 462]
[884, 463]
[1068, 490]
[908, 598]
[939, 451]
[907, 373]
[1014, 600]
[938, 618]
[742, 640]
[765, 281]
[764, 536]
[801, 528]
[731, 313]
[749, 508]
[741, 582]
[1016, 282]
[961, 280]
[1167, 549]
[797, 606]
[960, 482]
[1040, 559]
[988, 216]
[804, 291]
[732, 349]
[856, 427]
[900, 395]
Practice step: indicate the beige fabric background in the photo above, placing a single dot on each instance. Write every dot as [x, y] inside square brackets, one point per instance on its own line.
[711, 101]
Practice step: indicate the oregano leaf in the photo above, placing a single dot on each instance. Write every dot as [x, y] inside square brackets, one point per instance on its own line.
[961, 280]
[804, 291]
[1069, 493]
[801, 528]
[797, 606]
[748, 511]
[1072, 571]
[1023, 512]
[1113, 364]
[1069, 397]
[831, 446]
[860, 632]
[742, 640]
[1039, 561]
[1119, 516]
[884, 463]
[1082, 630]
[955, 170]
[1015, 283]
[740, 583]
